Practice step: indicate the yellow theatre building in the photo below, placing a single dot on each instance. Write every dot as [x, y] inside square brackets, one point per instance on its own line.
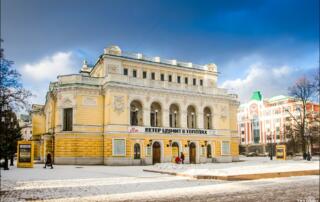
[130, 109]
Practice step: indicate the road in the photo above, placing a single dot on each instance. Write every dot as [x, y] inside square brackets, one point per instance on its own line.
[130, 183]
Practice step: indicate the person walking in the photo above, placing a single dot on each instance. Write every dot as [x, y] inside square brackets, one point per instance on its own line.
[48, 161]
[182, 157]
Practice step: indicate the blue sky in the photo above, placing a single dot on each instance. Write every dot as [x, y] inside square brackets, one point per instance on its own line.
[256, 44]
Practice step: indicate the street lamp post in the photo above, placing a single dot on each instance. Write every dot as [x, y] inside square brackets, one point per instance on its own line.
[192, 119]
[175, 119]
[156, 118]
[208, 120]
[271, 147]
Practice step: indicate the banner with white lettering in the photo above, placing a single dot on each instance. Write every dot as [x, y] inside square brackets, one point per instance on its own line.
[140, 129]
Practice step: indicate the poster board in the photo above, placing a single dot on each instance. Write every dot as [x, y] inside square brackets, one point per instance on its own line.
[148, 151]
[25, 154]
[281, 152]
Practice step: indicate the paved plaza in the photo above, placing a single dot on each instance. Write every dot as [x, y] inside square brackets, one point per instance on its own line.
[130, 183]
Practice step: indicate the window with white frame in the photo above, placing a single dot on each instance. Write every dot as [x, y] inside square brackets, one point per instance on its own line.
[225, 147]
[118, 147]
[67, 119]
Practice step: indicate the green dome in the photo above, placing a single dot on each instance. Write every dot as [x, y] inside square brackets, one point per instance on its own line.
[256, 95]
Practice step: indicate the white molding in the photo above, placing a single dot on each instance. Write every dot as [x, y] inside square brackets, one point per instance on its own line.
[125, 147]
[222, 154]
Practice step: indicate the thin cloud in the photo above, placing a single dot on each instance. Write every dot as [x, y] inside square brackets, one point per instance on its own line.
[50, 67]
[270, 81]
[38, 75]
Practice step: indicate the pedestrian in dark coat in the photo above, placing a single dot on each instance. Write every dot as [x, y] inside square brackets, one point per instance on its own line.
[48, 161]
[182, 157]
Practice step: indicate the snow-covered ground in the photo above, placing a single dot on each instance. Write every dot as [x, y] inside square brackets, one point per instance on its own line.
[130, 183]
[247, 165]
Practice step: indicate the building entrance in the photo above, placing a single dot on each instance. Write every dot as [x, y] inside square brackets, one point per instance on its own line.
[192, 153]
[156, 153]
[175, 151]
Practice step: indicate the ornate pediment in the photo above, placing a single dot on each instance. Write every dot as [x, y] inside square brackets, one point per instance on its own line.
[67, 102]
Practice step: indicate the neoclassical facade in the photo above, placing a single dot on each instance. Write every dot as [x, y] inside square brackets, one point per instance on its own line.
[130, 109]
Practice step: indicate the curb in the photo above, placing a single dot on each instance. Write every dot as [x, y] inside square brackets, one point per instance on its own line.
[254, 176]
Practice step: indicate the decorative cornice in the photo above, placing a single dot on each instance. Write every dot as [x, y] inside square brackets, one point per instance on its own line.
[190, 95]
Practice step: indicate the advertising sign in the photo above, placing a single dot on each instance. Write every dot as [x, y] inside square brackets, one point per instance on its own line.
[148, 151]
[281, 152]
[180, 131]
[25, 154]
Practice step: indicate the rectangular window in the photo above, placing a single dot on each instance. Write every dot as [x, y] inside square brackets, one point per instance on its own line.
[194, 82]
[170, 78]
[162, 77]
[118, 147]
[153, 76]
[125, 71]
[242, 139]
[134, 73]
[144, 75]
[178, 79]
[225, 147]
[201, 82]
[186, 80]
[67, 119]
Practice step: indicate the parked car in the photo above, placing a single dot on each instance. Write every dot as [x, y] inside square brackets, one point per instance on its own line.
[251, 154]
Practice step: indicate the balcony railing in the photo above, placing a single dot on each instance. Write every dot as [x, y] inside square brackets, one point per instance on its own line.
[79, 79]
[167, 85]
[140, 56]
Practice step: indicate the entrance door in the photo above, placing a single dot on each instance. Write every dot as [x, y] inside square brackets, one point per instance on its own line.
[156, 153]
[192, 153]
[175, 151]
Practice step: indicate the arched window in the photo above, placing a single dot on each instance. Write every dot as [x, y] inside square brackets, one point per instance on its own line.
[174, 116]
[207, 118]
[155, 115]
[191, 117]
[209, 155]
[136, 151]
[136, 113]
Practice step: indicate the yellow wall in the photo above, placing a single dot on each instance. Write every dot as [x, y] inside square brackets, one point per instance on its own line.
[217, 148]
[38, 124]
[235, 147]
[73, 145]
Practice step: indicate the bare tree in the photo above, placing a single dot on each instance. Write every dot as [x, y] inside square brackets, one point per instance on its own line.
[291, 137]
[302, 90]
[12, 97]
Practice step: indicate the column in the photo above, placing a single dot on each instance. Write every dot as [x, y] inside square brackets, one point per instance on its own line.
[165, 118]
[183, 119]
[200, 120]
[146, 116]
